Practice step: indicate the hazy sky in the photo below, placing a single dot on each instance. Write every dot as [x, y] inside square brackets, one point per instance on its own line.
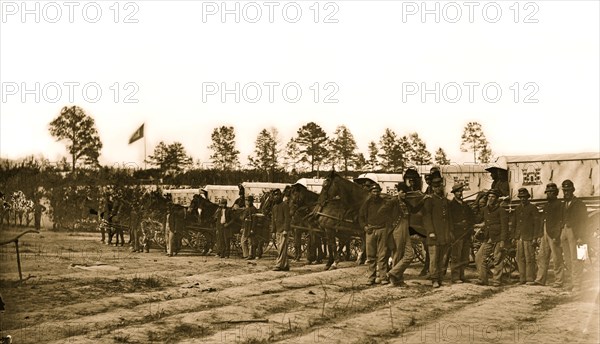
[373, 57]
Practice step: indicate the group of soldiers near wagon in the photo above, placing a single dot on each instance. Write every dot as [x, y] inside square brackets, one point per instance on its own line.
[558, 229]
[449, 224]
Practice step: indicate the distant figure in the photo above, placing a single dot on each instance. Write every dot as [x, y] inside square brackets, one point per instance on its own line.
[248, 225]
[500, 180]
[240, 202]
[37, 214]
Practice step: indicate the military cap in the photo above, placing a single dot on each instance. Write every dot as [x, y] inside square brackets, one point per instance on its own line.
[523, 192]
[550, 187]
[567, 185]
[402, 187]
[495, 192]
[250, 198]
[457, 187]
[223, 201]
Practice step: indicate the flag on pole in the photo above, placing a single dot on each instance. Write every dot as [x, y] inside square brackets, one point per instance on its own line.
[138, 134]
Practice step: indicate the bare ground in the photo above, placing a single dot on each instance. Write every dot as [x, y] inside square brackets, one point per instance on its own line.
[78, 290]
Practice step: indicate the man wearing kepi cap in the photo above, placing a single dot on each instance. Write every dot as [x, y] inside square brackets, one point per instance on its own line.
[374, 217]
[573, 232]
[552, 226]
[526, 225]
[463, 220]
[437, 221]
[495, 230]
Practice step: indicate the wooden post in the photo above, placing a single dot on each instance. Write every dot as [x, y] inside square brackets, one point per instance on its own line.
[19, 261]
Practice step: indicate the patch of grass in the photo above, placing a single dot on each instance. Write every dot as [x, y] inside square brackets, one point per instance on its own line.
[525, 319]
[549, 302]
[366, 340]
[255, 341]
[181, 331]
[121, 338]
[151, 282]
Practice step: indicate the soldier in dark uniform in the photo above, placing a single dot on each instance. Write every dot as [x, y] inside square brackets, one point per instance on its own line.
[248, 226]
[400, 236]
[375, 218]
[437, 221]
[495, 236]
[552, 228]
[500, 180]
[526, 222]
[280, 224]
[463, 221]
[573, 232]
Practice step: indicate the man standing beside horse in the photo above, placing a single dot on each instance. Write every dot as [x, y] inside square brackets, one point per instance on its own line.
[223, 219]
[280, 224]
[374, 217]
[464, 219]
[400, 238]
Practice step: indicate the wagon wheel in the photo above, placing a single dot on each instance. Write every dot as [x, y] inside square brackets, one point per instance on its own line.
[355, 248]
[235, 245]
[419, 249]
[510, 262]
[197, 240]
[152, 231]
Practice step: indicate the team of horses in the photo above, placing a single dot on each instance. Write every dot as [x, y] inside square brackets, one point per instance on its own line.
[324, 225]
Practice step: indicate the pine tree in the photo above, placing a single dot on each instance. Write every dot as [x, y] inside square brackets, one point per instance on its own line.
[312, 143]
[343, 147]
[266, 152]
[225, 156]
[420, 154]
[441, 158]
[79, 130]
[473, 139]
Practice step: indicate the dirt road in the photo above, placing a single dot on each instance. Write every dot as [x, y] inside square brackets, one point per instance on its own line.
[81, 291]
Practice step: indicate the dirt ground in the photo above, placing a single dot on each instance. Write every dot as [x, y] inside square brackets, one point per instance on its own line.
[78, 290]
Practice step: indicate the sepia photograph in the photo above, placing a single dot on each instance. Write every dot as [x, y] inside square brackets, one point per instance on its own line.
[307, 171]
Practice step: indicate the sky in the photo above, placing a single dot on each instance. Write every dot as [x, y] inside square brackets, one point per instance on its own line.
[527, 71]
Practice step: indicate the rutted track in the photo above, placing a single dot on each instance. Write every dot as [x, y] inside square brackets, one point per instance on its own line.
[191, 299]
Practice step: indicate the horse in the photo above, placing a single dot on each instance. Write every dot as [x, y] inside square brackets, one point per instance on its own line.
[301, 202]
[336, 212]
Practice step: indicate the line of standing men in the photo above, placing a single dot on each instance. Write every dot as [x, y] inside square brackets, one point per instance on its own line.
[450, 225]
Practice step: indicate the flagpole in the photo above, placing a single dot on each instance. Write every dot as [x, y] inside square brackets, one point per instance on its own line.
[145, 147]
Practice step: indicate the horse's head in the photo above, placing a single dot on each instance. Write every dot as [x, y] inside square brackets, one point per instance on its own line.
[349, 193]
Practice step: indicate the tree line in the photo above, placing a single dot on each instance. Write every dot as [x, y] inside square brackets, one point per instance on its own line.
[310, 150]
